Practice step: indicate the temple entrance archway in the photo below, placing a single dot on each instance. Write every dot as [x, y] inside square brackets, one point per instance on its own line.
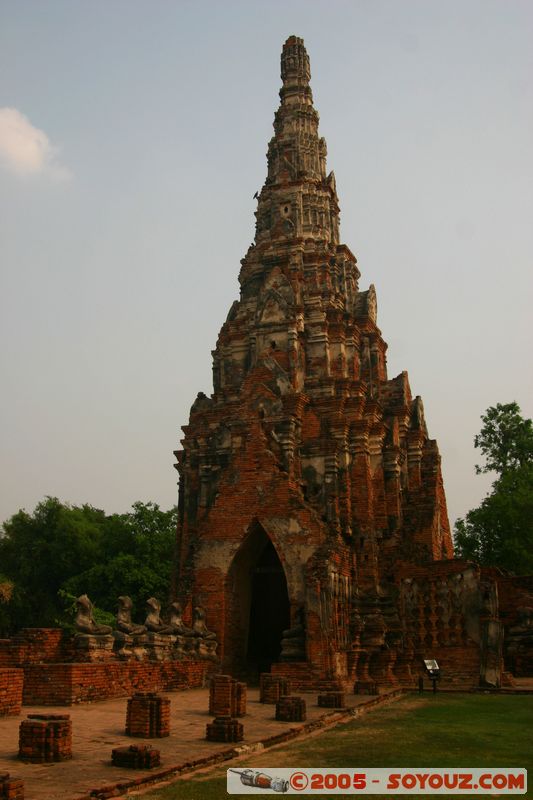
[258, 609]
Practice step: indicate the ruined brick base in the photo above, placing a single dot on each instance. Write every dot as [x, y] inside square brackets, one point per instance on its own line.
[365, 687]
[11, 788]
[227, 697]
[66, 684]
[272, 687]
[45, 738]
[331, 700]
[136, 756]
[11, 681]
[224, 729]
[148, 715]
[191, 765]
[291, 709]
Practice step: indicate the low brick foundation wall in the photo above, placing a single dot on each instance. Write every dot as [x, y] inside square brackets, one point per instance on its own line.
[67, 684]
[11, 681]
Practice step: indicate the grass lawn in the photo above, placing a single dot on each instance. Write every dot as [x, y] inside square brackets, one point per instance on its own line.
[428, 731]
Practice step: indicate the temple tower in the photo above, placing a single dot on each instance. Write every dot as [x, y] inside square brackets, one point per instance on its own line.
[308, 477]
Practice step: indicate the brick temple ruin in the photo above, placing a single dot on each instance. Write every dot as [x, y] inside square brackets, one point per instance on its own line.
[313, 524]
[313, 538]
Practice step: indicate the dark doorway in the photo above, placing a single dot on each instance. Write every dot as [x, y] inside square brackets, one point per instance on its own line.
[269, 610]
[256, 606]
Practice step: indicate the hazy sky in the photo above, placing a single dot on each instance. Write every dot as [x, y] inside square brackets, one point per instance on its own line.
[132, 139]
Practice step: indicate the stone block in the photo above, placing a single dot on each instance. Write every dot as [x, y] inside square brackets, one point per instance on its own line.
[224, 729]
[148, 715]
[272, 687]
[227, 696]
[331, 700]
[365, 687]
[291, 709]
[11, 788]
[45, 738]
[136, 756]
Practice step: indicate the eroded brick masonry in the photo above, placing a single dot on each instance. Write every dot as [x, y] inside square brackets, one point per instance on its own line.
[311, 496]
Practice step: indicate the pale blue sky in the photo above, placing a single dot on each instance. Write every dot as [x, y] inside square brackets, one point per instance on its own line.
[122, 229]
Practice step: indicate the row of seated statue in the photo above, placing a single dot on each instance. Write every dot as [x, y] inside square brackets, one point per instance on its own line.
[171, 638]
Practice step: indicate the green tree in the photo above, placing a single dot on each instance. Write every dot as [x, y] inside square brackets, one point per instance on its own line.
[500, 531]
[60, 550]
[39, 552]
[506, 439]
[138, 559]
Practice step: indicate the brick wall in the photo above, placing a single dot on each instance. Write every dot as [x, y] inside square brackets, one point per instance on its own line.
[11, 681]
[35, 646]
[6, 657]
[66, 684]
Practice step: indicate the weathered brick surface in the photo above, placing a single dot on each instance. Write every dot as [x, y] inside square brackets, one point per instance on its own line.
[365, 687]
[291, 709]
[35, 646]
[6, 659]
[224, 729]
[331, 700]
[306, 446]
[11, 682]
[148, 715]
[272, 687]
[66, 684]
[136, 756]
[227, 697]
[11, 788]
[515, 595]
[45, 738]
[299, 676]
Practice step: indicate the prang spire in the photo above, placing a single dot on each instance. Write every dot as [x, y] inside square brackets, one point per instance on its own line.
[298, 200]
[307, 479]
[295, 69]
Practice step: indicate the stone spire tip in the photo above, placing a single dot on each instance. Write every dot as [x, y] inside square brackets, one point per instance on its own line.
[295, 65]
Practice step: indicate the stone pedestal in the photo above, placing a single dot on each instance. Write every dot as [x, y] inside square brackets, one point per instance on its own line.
[148, 715]
[123, 645]
[136, 756]
[291, 709]
[182, 647]
[272, 687]
[11, 788]
[158, 646]
[331, 700]
[45, 738]
[224, 729]
[93, 648]
[207, 648]
[227, 697]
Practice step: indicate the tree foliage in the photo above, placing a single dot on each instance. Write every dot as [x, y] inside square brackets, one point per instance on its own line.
[61, 551]
[506, 439]
[500, 531]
